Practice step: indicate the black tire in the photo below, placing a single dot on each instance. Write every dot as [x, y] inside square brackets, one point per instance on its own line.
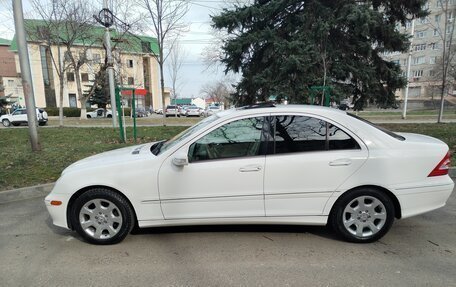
[16, 124]
[109, 116]
[6, 122]
[42, 123]
[89, 117]
[347, 223]
[121, 208]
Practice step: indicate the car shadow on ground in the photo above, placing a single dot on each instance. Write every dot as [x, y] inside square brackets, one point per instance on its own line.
[320, 231]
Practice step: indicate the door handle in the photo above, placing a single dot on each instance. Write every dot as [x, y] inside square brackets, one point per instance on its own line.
[340, 162]
[250, 168]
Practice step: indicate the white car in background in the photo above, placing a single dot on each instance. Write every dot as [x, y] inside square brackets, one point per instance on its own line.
[19, 117]
[99, 113]
[193, 111]
[210, 110]
[289, 164]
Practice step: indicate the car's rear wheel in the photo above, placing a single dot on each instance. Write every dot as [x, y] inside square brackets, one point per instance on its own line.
[362, 215]
[109, 116]
[89, 117]
[102, 216]
[42, 123]
[6, 123]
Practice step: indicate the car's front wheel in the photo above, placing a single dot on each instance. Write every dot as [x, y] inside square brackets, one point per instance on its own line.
[102, 216]
[363, 215]
[6, 122]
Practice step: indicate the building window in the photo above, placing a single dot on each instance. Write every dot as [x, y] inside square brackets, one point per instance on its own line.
[66, 56]
[396, 61]
[70, 77]
[131, 81]
[417, 73]
[436, 32]
[420, 34]
[432, 60]
[450, 16]
[449, 29]
[10, 83]
[424, 20]
[437, 18]
[130, 63]
[72, 100]
[84, 77]
[418, 60]
[435, 46]
[431, 73]
[420, 47]
[96, 58]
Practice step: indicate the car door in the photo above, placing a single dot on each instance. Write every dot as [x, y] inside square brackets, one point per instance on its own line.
[224, 175]
[19, 116]
[308, 158]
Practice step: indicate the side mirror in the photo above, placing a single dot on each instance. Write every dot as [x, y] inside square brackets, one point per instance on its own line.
[180, 160]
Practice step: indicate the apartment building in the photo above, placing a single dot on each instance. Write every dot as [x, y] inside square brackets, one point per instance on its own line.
[426, 51]
[10, 82]
[135, 66]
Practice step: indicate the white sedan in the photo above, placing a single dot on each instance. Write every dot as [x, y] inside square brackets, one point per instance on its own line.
[261, 165]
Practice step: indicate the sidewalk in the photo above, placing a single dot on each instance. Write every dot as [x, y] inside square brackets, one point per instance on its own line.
[45, 189]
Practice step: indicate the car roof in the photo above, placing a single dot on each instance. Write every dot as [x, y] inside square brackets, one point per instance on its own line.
[318, 110]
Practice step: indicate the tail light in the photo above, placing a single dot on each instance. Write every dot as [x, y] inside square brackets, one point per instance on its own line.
[443, 166]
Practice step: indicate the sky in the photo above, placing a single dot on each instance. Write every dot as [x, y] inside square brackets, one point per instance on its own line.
[194, 73]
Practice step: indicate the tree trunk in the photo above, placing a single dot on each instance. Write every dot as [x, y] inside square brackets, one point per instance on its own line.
[82, 99]
[61, 83]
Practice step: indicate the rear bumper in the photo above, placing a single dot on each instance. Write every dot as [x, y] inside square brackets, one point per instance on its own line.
[418, 199]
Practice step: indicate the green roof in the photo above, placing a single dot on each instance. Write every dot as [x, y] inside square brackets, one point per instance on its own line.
[36, 31]
[181, 101]
[5, 42]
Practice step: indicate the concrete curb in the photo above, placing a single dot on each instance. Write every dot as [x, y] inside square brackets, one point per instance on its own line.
[25, 193]
[44, 189]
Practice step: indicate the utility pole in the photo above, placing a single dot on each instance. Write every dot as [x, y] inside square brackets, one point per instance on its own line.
[108, 22]
[409, 59]
[26, 74]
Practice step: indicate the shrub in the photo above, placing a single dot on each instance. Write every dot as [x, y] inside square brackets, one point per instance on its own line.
[67, 112]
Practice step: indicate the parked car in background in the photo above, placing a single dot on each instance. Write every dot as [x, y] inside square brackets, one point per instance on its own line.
[159, 111]
[19, 117]
[210, 110]
[183, 110]
[172, 110]
[270, 165]
[141, 113]
[99, 113]
[193, 111]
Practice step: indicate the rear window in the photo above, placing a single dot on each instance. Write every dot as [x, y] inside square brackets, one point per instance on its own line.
[386, 131]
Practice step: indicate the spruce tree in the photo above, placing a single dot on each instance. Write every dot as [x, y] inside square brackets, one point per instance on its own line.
[284, 47]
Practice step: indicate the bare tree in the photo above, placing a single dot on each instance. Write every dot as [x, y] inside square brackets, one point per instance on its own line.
[176, 60]
[166, 17]
[218, 92]
[445, 32]
[53, 20]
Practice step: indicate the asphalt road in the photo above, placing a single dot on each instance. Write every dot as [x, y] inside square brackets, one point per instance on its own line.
[419, 251]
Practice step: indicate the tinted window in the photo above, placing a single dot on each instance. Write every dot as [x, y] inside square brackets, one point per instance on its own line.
[338, 139]
[388, 132]
[240, 138]
[302, 134]
[298, 134]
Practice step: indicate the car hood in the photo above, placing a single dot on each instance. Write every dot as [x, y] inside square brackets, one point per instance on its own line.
[113, 157]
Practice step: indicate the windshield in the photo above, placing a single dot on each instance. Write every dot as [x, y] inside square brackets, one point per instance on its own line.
[386, 131]
[162, 146]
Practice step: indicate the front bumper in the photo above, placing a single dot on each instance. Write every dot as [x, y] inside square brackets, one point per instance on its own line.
[58, 212]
